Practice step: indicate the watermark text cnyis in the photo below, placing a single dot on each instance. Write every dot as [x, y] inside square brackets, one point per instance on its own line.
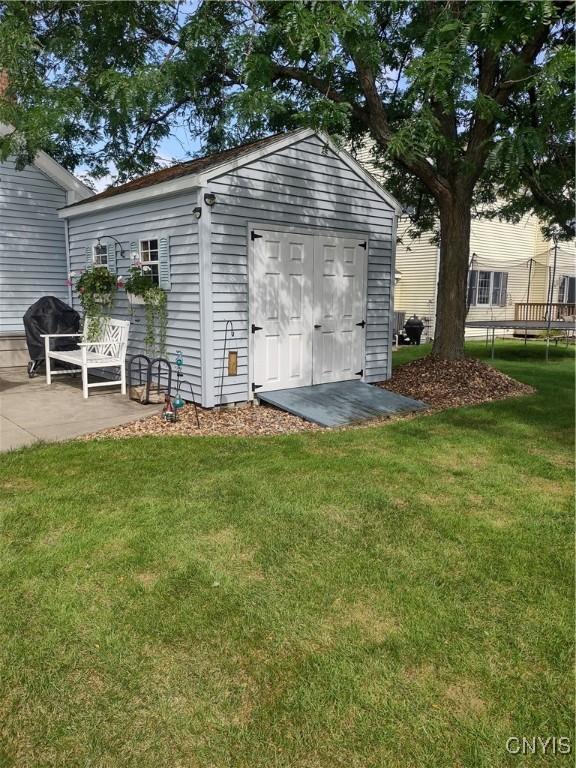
[539, 745]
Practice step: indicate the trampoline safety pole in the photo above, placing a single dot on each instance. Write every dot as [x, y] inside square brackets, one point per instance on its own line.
[555, 234]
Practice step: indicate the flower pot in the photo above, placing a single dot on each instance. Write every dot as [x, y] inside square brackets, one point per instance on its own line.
[135, 300]
[102, 298]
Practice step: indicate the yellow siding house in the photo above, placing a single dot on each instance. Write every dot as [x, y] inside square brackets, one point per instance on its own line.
[511, 272]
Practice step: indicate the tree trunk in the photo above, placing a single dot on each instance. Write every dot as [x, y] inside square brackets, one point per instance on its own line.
[455, 219]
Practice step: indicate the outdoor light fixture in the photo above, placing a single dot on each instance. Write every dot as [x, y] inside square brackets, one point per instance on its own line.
[197, 212]
[111, 237]
[210, 199]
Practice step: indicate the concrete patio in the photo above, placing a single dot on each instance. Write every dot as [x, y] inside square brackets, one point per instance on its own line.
[31, 411]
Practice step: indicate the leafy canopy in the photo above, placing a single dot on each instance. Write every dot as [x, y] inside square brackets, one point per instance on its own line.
[473, 98]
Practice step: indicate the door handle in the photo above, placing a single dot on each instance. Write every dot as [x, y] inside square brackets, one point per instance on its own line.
[317, 326]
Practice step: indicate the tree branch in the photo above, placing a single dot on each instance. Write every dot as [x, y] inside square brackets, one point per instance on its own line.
[308, 78]
[482, 129]
[380, 128]
[151, 122]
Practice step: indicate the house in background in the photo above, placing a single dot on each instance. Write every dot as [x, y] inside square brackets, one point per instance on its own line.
[511, 272]
[286, 242]
[33, 259]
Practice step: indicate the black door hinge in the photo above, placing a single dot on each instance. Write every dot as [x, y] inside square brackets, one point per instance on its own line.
[253, 235]
[362, 324]
[256, 386]
[363, 245]
[359, 373]
[256, 328]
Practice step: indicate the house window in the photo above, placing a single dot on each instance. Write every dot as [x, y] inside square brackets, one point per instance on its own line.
[149, 259]
[487, 289]
[567, 290]
[100, 255]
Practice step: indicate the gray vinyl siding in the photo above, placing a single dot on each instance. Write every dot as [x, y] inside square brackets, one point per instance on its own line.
[301, 185]
[32, 242]
[167, 216]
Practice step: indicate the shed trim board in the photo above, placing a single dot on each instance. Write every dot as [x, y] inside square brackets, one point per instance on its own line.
[206, 304]
[392, 289]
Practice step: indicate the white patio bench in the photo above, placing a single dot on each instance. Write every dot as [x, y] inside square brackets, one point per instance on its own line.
[108, 350]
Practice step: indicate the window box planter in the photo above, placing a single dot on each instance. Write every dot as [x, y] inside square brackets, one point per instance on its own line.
[135, 301]
[103, 298]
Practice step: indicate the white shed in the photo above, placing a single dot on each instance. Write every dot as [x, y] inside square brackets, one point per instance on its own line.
[287, 241]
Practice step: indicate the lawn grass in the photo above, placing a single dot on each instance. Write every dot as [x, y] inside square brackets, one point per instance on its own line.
[393, 596]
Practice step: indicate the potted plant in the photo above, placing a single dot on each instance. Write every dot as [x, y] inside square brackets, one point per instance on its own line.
[96, 288]
[141, 290]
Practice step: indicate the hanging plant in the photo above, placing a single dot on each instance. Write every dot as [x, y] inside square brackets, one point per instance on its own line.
[141, 288]
[155, 306]
[96, 288]
[139, 281]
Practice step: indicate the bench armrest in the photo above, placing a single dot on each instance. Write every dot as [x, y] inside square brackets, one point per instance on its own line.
[59, 335]
[97, 343]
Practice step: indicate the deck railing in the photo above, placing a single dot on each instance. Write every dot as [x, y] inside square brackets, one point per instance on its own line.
[539, 311]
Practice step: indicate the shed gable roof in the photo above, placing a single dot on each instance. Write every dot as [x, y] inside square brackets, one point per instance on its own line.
[195, 173]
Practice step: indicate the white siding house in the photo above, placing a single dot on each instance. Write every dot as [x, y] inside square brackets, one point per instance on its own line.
[33, 260]
[295, 255]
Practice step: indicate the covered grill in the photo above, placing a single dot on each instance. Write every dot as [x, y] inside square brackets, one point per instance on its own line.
[414, 328]
[48, 315]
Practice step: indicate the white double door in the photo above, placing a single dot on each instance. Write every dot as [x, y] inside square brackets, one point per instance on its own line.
[307, 309]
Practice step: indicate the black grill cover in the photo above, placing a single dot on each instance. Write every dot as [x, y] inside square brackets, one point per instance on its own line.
[50, 315]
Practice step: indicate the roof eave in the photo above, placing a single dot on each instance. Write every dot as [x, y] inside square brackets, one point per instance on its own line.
[74, 188]
[162, 189]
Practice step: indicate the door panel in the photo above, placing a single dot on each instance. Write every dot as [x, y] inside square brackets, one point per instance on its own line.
[339, 306]
[299, 282]
[282, 306]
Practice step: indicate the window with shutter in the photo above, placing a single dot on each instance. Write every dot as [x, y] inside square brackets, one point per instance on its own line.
[483, 293]
[99, 255]
[567, 289]
[487, 288]
[149, 258]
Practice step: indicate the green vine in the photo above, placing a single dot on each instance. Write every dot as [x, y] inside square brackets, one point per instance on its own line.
[156, 308]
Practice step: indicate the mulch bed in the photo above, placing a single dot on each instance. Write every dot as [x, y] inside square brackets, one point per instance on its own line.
[453, 383]
[439, 383]
[240, 421]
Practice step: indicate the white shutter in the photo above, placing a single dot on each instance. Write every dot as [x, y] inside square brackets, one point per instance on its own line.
[164, 263]
[88, 256]
[111, 257]
[133, 252]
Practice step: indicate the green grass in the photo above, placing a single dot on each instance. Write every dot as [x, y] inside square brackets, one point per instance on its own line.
[391, 596]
